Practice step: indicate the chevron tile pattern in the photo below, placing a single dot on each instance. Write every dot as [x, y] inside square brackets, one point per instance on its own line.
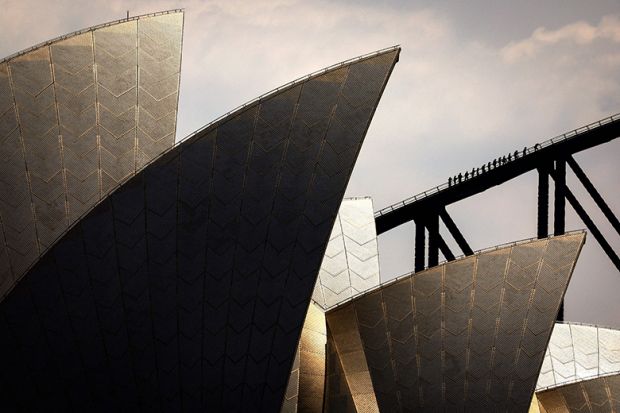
[351, 262]
[159, 55]
[468, 334]
[76, 100]
[306, 384]
[577, 352]
[78, 116]
[598, 395]
[117, 83]
[187, 288]
[20, 245]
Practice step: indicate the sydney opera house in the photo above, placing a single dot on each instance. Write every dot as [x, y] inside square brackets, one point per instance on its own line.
[226, 272]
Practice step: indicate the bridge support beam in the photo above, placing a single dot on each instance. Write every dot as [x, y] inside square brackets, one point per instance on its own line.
[432, 223]
[559, 210]
[454, 231]
[420, 245]
[443, 247]
[596, 233]
[613, 220]
[543, 202]
[560, 176]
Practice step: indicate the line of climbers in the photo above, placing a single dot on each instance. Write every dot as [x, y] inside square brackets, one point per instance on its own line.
[457, 179]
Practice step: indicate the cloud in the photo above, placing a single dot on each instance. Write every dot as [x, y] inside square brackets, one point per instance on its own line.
[579, 33]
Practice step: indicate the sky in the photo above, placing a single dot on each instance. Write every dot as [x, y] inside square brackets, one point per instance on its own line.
[476, 80]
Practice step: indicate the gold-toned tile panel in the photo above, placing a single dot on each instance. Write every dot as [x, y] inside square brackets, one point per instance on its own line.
[534, 407]
[312, 361]
[309, 367]
[337, 393]
[344, 328]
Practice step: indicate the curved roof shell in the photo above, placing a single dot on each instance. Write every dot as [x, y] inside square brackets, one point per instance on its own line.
[468, 334]
[351, 262]
[188, 286]
[578, 352]
[78, 115]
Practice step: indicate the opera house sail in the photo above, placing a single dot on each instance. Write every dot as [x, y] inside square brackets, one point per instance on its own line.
[188, 285]
[468, 334]
[79, 115]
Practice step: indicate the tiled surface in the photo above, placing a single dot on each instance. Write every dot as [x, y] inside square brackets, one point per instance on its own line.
[468, 334]
[599, 395]
[337, 392]
[305, 388]
[74, 122]
[351, 262]
[577, 352]
[291, 396]
[351, 353]
[187, 288]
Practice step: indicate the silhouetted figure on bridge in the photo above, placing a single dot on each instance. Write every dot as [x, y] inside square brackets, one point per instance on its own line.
[450, 181]
[460, 177]
[525, 151]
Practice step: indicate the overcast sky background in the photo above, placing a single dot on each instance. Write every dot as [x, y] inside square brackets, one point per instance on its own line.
[476, 80]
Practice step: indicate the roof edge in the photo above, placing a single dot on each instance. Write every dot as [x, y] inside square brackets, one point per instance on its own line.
[443, 262]
[216, 122]
[576, 381]
[581, 324]
[290, 85]
[86, 30]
